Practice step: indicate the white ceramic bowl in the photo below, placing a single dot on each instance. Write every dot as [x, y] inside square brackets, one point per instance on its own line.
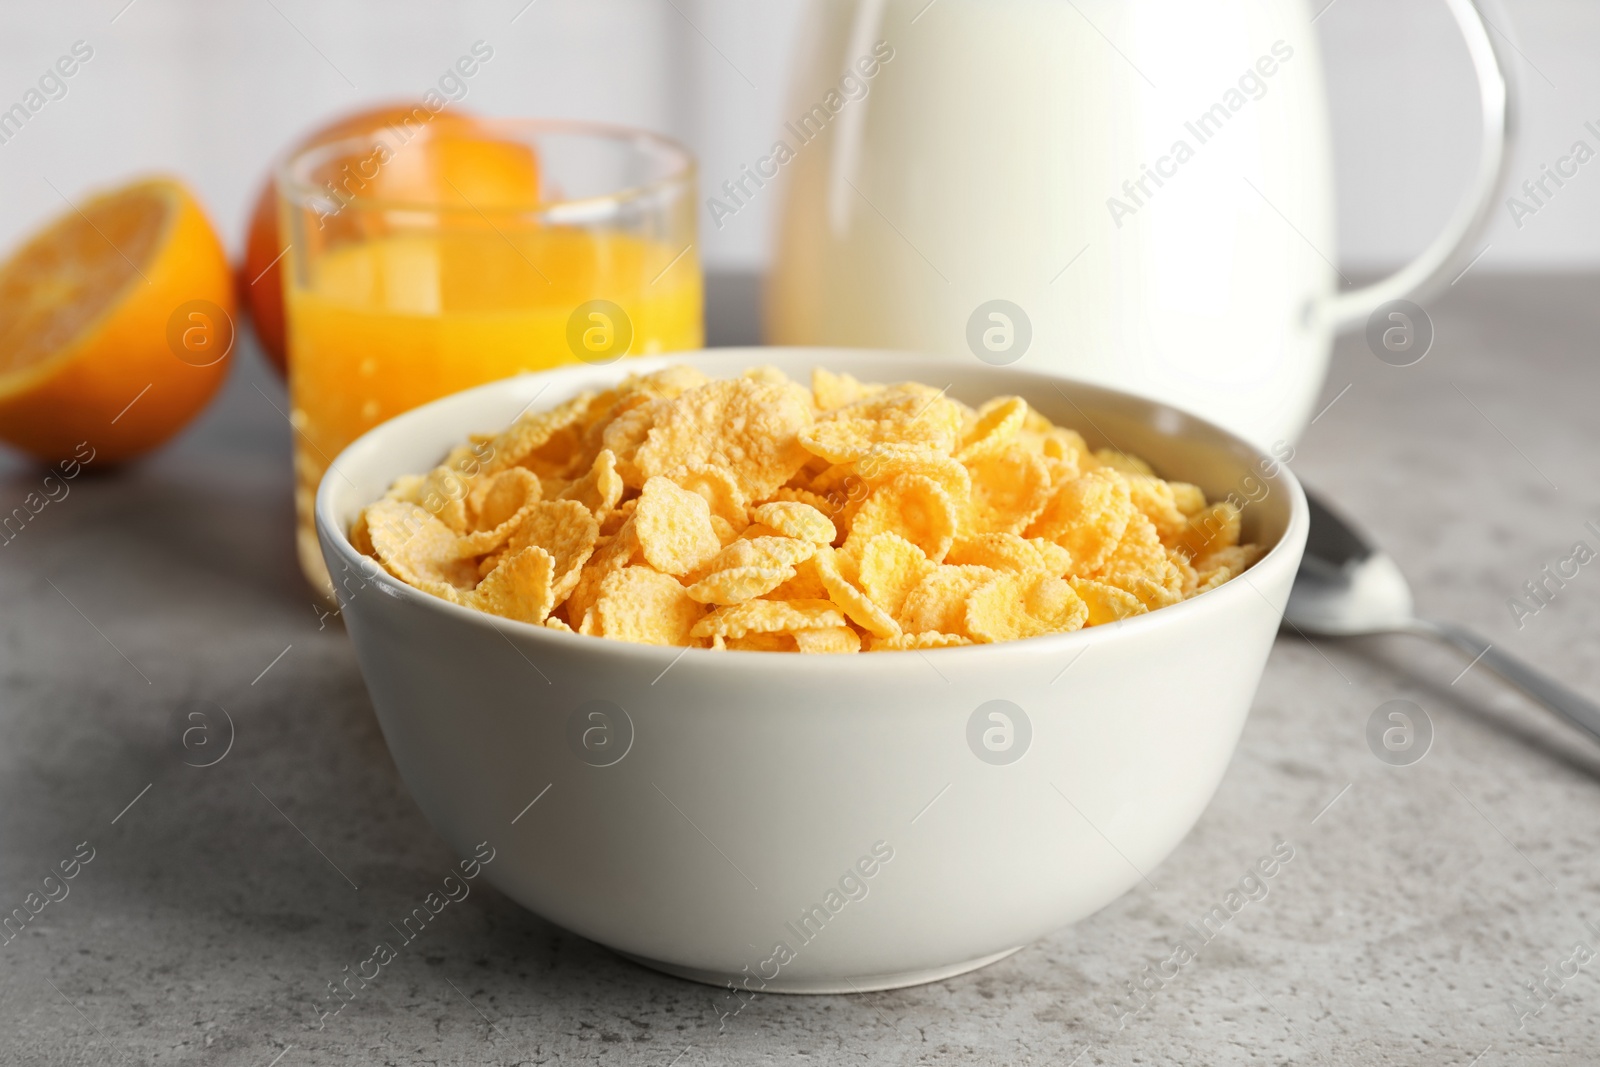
[816, 823]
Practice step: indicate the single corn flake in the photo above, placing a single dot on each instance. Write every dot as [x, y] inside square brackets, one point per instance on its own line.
[1188, 577]
[618, 517]
[750, 568]
[793, 519]
[563, 457]
[766, 373]
[997, 424]
[627, 433]
[1057, 560]
[1106, 603]
[566, 530]
[1139, 552]
[1140, 566]
[418, 548]
[1001, 552]
[805, 496]
[897, 416]
[674, 528]
[915, 507]
[768, 616]
[939, 601]
[1153, 591]
[1010, 488]
[1210, 529]
[616, 553]
[764, 551]
[735, 585]
[407, 488]
[1120, 461]
[758, 643]
[644, 606]
[856, 604]
[1157, 501]
[828, 640]
[720, 490]
[750, 428]
[665, 383]
[1190, 499]
[361, 536]
[832, 391]
[840, 440]
[884, 463]
[497, 497]
[890, 567]
[909, 642]
[1017, 606]
[1235, 559]
[805, 585]
[1087, 516]
[443, 494]
[1068, 448]
[519, 441]
[519, 588]
[600, 488]
[497, 505]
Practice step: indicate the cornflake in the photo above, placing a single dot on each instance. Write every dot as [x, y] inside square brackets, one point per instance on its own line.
[754, 514]
[674, 528]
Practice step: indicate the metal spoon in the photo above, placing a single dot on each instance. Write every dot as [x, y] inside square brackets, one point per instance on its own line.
[1346, 586]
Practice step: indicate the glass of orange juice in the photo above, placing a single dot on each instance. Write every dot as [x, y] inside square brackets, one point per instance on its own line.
[429, 257]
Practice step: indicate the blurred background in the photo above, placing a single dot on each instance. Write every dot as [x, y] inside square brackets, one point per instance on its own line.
[212, 89]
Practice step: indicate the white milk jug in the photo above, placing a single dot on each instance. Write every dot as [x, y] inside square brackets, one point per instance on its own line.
[1133, 192]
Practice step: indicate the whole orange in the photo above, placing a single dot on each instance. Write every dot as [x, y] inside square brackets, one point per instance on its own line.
[260, 277]
[116, 322]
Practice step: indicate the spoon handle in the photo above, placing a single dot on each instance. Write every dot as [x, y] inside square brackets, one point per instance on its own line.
[1577, 710]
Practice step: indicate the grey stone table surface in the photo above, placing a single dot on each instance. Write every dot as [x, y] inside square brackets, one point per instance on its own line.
[1420, 904]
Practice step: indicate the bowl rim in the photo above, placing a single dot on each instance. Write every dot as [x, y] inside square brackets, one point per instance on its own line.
[330, 533]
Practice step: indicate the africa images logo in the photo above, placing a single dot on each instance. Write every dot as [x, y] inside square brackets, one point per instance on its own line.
[999, 732]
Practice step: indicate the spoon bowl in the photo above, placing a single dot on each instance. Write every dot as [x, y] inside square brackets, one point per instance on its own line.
[1347, 587]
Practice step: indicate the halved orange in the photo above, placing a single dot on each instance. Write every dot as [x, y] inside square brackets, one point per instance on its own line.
[116, 322]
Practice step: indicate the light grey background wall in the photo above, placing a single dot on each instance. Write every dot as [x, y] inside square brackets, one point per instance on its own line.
[1405, 127]
[212, 89]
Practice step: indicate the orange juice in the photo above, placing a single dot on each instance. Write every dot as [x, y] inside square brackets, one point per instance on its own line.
[379, 326]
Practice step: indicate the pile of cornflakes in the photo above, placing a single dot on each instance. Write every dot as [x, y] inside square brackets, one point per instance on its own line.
[757, 514]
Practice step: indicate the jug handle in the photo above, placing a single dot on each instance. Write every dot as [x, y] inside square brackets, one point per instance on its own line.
[1431, 271]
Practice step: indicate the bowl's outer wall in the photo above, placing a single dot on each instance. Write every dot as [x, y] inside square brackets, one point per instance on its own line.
[755, 783]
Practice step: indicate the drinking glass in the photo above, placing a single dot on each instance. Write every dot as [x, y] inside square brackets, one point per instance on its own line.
[431, 256]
